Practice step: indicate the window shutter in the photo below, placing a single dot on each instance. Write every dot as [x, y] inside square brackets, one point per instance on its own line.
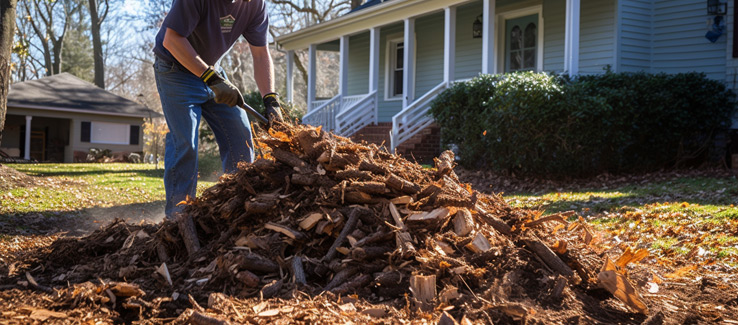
[86, 130]
[134, 134]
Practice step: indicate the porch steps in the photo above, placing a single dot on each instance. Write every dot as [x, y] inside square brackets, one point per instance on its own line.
[423, 146]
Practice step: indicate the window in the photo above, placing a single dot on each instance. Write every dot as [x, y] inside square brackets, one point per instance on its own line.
[395, 67]
[108, 133]
[521, 43]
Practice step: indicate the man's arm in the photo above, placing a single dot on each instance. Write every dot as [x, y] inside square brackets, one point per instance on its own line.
[183, 51]
[263, 69]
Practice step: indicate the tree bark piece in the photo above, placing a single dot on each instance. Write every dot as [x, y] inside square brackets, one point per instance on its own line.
[463, 222]
[352, 285]
[403, 239]
[559, 287]
[288, 158]
[370, 187]
[341, 277]
[311, 220]
[372, 167]
[188, 232]
[304, 179]
[354, 174]
[400, 184]
[249, 279]
[423, 288]
[549, 257]
[369, 253]
[480, 244]
[198, 318]
[256, 263]
[297, 270]
[271, 289]
[287, 231]
[493, 221]
[445, 165]
[347, 229]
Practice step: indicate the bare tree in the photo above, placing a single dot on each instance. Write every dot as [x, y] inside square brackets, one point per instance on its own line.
[44, 17]
[7, 30]
[98, 12]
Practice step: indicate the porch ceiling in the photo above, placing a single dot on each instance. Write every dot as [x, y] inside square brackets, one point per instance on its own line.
[355, 22]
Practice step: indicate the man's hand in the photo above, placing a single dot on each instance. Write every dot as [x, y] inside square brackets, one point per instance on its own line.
[225, 92]
[273, 108]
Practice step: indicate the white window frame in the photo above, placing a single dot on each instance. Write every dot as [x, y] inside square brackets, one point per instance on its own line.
[501, 38]
[390, 63]
[126, 141]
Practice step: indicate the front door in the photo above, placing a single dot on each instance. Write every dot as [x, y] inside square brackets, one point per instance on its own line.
[521, 43]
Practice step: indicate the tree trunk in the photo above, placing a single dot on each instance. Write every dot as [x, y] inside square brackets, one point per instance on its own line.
[356, 3]
[97, 52]
[7, 30]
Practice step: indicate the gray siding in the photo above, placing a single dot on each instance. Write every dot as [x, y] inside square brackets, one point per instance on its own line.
[635, 35]
[468, 49]
[597, 36]
[429, 64]
[679, 44]
[387, 109]
[731, 71]
[358, 81]
[554, 18]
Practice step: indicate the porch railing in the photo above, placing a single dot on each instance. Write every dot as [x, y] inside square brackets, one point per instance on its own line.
[324, 115]
[358, 112]
[318, 103]
[413, 118]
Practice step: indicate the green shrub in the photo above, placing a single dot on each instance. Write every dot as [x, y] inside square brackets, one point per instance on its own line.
[543, 125]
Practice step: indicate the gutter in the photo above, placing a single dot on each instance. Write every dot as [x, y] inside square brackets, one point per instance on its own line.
[74, 110]
[346, 25]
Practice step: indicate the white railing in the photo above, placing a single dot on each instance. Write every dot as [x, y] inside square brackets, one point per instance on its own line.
[349, 101]
[413, 118]
[324, 115]
[318, 103]
[360, 113]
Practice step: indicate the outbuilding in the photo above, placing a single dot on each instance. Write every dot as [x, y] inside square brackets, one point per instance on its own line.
[61, 117]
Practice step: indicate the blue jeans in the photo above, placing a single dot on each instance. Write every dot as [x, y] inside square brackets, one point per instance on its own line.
[184, 99]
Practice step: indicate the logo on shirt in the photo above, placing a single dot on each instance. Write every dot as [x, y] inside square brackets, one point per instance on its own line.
[226, 23]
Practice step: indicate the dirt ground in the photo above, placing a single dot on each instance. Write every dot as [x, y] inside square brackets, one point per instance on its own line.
[358, 262]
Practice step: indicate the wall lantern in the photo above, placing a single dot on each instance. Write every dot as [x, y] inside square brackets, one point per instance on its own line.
[715, 7]
[477, 27]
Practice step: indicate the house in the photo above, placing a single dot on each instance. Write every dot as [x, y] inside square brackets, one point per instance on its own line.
[397, 55]
[61, 117]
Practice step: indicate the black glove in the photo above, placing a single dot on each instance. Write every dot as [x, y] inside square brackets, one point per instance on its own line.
[225, 92]
[273, 108]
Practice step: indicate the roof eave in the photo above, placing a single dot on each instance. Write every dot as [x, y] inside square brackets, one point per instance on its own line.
[379, 15]
[83, 111]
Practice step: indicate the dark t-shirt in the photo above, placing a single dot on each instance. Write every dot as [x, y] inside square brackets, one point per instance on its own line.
[212, 26]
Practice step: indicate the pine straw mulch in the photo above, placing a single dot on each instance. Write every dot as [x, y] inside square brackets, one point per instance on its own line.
[323, 230]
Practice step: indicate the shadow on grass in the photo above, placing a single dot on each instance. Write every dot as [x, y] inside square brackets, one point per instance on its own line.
[77, 173]
[79, 222]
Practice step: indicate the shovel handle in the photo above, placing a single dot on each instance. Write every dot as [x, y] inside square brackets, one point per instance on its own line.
[261, 119]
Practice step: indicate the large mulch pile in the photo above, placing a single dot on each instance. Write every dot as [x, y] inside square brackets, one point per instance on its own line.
[324, 230]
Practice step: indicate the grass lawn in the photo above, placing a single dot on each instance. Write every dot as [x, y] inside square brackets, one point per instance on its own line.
[75, 187]
[679, 219]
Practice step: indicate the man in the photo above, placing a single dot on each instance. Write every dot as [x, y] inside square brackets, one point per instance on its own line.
[194, 36]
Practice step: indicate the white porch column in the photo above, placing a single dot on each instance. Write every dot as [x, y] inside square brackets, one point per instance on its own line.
[489, 55]
[312, 63]
[290, 80]
[344, 67]
[449, 44]
[571, 38]
[374, 68]
[408, 64]
[27, 150]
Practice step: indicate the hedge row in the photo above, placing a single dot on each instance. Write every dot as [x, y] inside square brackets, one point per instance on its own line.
[543, 125]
